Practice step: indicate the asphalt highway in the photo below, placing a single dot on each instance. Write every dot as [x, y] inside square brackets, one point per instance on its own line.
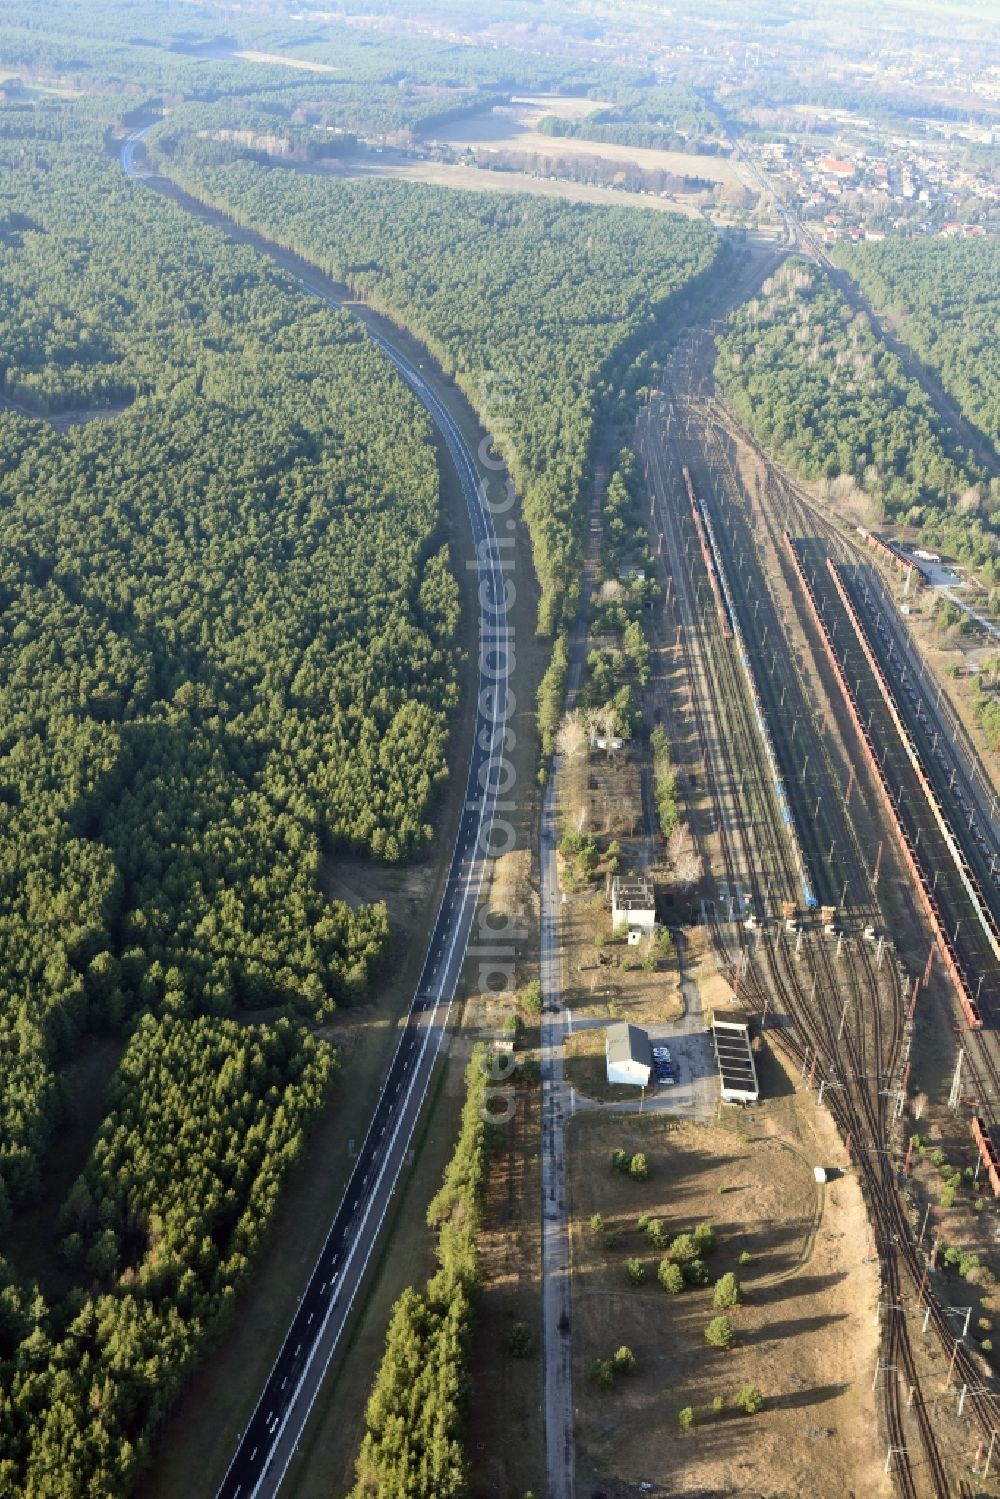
[269, 1442]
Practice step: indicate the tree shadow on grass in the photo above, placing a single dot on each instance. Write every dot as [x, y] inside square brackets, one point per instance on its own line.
[793, 1327]
[794, 1400]
[796, 1285]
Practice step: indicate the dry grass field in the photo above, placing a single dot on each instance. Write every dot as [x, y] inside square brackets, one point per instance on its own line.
[284, 61]
[805, 1334]
[512, 128]
[469, 179]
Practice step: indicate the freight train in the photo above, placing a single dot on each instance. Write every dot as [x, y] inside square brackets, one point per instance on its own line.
[946, 945]
[987, 1152]
[903, 564]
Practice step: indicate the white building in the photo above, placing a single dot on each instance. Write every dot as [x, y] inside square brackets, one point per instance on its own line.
[633, 905]
[629, 1058]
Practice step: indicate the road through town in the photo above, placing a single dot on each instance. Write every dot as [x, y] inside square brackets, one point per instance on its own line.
[268, 1443]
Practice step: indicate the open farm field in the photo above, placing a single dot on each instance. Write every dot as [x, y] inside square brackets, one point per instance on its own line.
[803, 1332]
[440, 174]
[532, 107]
[286, 62]
[511, 128]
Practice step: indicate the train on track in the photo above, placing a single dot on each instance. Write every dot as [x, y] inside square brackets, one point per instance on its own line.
[706, 538]
[913, 573]
[729, 624]
[973, 889]
[946, 945]
[987, 1152]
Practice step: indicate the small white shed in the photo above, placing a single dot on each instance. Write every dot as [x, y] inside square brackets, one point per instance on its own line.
[628, 1054]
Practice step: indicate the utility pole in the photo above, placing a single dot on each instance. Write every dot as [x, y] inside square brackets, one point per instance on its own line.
[923, 1226]
[956, 1082]
[893, 1452]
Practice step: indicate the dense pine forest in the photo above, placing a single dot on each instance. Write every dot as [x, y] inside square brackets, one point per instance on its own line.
[528, 302]
[667, 117]
[945, 299]
[413, 1438]
[227, 649]
[377, 84]
[811, 380]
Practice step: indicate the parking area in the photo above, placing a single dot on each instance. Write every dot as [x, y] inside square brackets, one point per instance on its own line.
[688, 1081]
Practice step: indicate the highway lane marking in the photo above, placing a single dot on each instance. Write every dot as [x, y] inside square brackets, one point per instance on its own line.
[472, 886]
[467, 911]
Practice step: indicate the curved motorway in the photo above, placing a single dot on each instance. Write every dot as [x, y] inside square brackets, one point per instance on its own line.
[268, 1444]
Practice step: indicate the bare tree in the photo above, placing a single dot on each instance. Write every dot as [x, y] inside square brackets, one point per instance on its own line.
[572, 738]
[572, 742]
[685, 860]
[604, 721]
[969, 501]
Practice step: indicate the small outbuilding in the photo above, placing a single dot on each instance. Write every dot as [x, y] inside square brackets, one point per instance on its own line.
[628, 1053]
[610, 742]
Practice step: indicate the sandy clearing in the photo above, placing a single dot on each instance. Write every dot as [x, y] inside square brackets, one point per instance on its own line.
[805, 1334]
[286, 62]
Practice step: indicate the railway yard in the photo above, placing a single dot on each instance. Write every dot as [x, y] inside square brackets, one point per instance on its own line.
[853, 847]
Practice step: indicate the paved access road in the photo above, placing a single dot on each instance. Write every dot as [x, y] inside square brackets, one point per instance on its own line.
[269, 1442]
[557, 1106]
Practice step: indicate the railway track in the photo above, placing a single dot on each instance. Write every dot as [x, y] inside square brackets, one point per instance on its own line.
[870, 1046]
[980, 1052]
[975, 940]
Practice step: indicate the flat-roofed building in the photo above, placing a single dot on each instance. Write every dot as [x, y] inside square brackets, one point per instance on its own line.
[734, 1055]
[633, 904]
